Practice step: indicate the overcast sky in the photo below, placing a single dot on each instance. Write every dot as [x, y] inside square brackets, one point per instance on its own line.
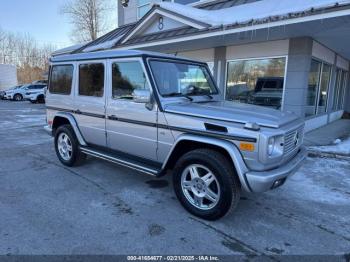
[40, 18]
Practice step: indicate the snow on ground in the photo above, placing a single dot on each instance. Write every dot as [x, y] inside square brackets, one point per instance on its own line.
[244, 13]
[340, 147]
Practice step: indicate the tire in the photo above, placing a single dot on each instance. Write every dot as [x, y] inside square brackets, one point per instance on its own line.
[224, 184]
[41, 99]
[65, 139]
[17, 97]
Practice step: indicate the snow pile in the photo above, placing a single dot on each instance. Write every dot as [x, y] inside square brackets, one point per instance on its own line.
[246, 12]
[339, 148]
[105, 45]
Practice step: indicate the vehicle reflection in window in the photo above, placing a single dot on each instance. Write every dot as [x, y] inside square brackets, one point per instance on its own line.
[258, 82]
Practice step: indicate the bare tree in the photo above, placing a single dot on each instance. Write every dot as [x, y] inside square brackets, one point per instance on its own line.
[23, 51]
[89, 18]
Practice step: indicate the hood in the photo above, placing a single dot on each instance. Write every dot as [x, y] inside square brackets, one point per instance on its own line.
[233, 112]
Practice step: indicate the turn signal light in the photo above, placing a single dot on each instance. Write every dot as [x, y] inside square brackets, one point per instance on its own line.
[247, 146]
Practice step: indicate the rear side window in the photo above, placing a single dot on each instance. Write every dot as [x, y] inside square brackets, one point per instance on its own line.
[61, 79]
[127, 77]
[91, 80]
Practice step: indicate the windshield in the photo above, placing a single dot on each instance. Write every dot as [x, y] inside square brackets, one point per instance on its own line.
[182, 79]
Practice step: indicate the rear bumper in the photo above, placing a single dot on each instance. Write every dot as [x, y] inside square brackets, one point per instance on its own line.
[48, 130]
[266, 180]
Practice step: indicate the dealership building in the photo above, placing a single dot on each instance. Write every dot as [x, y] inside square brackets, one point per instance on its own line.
[292, 55]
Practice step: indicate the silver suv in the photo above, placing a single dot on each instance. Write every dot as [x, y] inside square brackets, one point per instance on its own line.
[156, 113]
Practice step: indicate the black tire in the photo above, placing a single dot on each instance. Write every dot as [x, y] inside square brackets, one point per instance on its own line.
[77, 157]
[41, 99]
[17, 97]
[230, 189]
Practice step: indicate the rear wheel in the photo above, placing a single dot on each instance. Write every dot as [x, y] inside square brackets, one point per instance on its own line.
[41, 99]
[67, 146]
[18, 97]
[206, 185]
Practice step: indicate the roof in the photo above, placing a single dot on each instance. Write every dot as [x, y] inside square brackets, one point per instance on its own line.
[221, 4]
[211, 16]
[110, 37]
[111, 54]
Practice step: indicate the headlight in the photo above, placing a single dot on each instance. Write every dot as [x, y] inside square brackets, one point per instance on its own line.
[271, 146]
[275, 146]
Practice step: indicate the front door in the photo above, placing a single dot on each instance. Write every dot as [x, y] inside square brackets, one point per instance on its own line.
[89, 102]
[131, 127]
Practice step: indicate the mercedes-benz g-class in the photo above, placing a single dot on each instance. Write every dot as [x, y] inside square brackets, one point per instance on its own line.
[156, 113]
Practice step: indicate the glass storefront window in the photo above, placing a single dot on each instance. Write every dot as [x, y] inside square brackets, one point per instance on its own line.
[318, 87]
[323, 94]
[258, 81]
[314, 79]
[339, 96]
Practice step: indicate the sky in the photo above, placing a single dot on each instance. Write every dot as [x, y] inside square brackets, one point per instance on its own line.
[40, 18]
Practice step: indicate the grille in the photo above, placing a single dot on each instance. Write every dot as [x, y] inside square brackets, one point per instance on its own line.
[293, 141]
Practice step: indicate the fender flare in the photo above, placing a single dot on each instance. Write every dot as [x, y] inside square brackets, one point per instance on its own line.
[229, 147]
[74, 125]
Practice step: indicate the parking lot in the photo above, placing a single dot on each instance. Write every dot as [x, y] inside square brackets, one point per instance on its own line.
[101, 208]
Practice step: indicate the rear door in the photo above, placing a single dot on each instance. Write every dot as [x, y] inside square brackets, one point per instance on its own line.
[89, 105]
[131, 127]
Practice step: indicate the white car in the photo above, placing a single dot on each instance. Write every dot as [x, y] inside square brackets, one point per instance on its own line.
[36, 95]
[18, 94]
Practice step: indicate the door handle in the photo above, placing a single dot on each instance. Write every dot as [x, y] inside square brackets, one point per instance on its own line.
[78, 112]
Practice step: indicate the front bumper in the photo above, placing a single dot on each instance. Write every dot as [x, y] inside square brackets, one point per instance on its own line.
[266, 180]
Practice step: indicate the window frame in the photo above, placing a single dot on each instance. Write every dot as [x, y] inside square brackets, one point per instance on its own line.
[50, 75]
[110, 63]
[204, 64]
[125, 60]
[259, 58]
[89, 62]
[341, 102]
[138, 6]
[318, 91]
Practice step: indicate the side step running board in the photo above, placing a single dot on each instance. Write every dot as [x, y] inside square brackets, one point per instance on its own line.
[150, 170]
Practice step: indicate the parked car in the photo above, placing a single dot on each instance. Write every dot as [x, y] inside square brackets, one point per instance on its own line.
[156, 113]
[18, 94]
[3, 92]
[36, 95]
[44, 82]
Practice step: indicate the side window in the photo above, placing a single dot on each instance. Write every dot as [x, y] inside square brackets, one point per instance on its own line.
[61, 79]
[127, 77]
[91, 80]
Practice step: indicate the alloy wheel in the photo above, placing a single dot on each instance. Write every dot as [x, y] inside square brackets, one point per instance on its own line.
[64, 146]
[200, 186]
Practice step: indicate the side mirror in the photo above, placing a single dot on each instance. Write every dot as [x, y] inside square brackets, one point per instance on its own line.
[141, 96]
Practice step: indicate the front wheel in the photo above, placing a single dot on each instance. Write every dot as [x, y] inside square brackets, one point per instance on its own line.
[206, 184]
[67, 146]
[18, 97]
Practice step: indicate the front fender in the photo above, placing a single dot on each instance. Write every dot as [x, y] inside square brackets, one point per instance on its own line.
[74, 125]
[229, 147]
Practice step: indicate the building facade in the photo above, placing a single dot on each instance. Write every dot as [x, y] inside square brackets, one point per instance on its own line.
[290, 55]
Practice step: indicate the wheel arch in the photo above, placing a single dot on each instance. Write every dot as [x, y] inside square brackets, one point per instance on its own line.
[63, 118]
[187, 142]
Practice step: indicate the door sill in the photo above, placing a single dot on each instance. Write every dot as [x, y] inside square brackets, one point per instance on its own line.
[122, 160]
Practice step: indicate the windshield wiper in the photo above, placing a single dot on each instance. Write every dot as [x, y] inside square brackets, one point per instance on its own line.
[180, 95]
